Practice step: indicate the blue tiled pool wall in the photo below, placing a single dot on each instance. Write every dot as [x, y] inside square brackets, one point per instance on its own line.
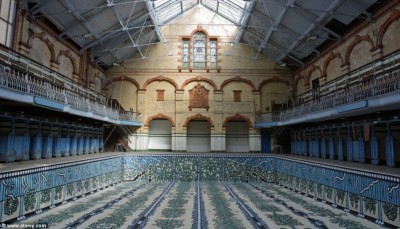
[366, 194]
[28, 191]
[32, 190]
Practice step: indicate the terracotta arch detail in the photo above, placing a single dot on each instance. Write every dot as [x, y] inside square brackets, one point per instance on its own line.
[198, 116]
[313, 69]
[394, 15]
[124, 78]
[160, 78]
[357, 40]
[275, 80]
[237, 117]
[297, 79]
[159, 116]
[198, 29]
[328, 60]
[238, 79]
[68, 54]
[198, 79]
[44, 37]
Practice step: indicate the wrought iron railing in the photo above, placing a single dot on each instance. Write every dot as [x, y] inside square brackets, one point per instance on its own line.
[54, 87]
[372, 84]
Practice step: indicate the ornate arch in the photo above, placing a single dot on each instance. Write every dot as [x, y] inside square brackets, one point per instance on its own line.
[328, 60]
[310, 72]
[394, 15]
[160, 78]
[96, 76]
[159, 116]
[198, 29]
[238, 79]
[68, 54]
[199, 79]
[44, 37]
[237, 117]
[297, 79]
[274, 80]
[199, 116]
[357, 40]
[123, 78]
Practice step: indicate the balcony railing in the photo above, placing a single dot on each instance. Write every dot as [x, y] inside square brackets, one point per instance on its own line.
[386, 81]
[54, 87]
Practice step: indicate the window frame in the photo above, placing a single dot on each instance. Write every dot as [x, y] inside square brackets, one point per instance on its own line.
[9, 22]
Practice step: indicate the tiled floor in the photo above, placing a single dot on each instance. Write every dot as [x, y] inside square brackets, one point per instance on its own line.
[216, 205]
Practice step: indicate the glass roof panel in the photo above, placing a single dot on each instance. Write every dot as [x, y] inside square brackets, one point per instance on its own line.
[168, 9]
[167, 13]
[230, 9]
[160, 2]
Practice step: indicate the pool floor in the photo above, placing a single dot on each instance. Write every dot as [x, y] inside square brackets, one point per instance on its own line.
[218, 205]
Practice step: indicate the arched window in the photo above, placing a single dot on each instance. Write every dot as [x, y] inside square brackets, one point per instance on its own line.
[199, 51]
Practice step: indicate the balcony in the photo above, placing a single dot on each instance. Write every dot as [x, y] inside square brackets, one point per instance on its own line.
[373, 88]
[25, 81]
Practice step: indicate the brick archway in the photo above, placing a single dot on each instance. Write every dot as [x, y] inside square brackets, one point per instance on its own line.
[160, 78]
[237, 117]
[159, 116]
[238, 79]
[199, 116]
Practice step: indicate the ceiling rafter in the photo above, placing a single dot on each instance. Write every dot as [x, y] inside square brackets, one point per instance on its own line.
[115, 29]
[124, 28]
[272, 44]
[243, 22]
[113, 46]
[265, 25]
[79, 17]
[40, 6]
[311, 17]
[67, 30]
[187, 9]
[315, 24]
[275, 25]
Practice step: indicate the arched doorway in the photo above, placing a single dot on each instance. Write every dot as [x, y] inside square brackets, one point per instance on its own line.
[237, 136]
[160, 135]
[198, 136]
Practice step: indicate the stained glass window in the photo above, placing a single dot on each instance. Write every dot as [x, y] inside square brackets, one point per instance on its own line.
[213, 54]
[199, 50]
[185, 54]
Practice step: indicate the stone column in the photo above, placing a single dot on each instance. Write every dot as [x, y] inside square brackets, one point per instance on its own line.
[255, 140]
[340, 146]
[349, 145]
[374, 147]
[389, 143]
[331, 146]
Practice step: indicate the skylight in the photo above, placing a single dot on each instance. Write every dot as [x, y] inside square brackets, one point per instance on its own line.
[229, 9]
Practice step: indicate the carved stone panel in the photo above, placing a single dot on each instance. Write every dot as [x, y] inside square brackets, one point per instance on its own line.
[198, 97]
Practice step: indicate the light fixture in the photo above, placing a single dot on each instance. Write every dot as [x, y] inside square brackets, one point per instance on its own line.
[310, 38]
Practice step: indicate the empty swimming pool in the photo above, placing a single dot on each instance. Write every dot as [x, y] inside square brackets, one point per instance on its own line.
[198, 191]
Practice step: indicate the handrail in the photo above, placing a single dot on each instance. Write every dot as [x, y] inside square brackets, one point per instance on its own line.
[343, 91]
[14, 79]
[25, 64]
[368, 70]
